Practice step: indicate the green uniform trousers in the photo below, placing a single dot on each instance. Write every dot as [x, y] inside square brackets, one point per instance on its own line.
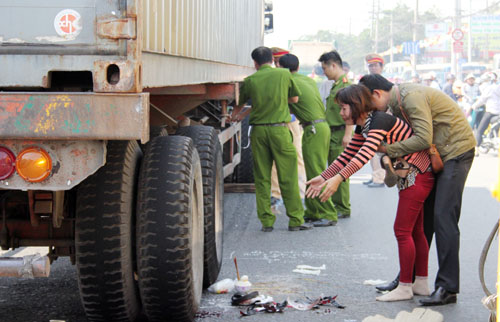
[341, 198]
[315, 143]
[275, 143]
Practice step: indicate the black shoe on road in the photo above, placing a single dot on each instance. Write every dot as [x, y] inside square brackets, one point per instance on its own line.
[389, 286]
[440, 296]
[324, 223]
[304, 226]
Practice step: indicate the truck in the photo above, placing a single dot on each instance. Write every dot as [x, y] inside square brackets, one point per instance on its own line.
[309, 52]
[115, 143]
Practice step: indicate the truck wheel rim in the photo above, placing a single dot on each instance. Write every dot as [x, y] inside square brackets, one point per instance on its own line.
[197, 235]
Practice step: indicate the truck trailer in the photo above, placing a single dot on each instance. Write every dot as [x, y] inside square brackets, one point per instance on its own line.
[115, 143]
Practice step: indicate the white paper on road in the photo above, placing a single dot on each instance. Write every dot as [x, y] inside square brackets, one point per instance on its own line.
[311, 267]
[307, 271]
[374, 282]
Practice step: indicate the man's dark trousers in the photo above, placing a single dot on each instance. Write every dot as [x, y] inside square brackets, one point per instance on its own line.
[441, 216]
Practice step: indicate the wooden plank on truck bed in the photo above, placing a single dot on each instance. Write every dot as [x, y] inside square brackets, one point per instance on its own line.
[239, 188]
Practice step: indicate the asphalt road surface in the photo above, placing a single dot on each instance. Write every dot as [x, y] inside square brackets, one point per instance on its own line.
[358, 249]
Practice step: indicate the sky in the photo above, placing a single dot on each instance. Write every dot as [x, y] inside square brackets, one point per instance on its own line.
[294, 18]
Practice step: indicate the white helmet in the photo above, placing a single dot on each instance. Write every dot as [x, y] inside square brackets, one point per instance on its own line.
[486, 77]
[470, 75]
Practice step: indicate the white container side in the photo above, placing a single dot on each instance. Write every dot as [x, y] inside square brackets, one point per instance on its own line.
[199, 41]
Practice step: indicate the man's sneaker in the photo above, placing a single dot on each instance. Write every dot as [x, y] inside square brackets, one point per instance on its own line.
[275, 202]
[368, 181]
[304, 226]
[267, 229]
[324, 223]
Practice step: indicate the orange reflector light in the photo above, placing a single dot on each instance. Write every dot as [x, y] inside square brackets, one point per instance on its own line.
[33, 164]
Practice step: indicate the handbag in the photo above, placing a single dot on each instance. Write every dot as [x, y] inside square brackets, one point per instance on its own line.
[394, 171]
[437, 164]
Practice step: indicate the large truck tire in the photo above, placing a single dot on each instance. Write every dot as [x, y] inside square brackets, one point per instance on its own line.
[244, 170]
[170, 230]
[154, 131]
[207, 144]
[105, 235]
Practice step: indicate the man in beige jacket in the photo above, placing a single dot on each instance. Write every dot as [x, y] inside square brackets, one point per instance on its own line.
[435, 118]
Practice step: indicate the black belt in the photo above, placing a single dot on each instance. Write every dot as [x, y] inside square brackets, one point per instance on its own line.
[337, 127]
[270, 124]
[304, 124]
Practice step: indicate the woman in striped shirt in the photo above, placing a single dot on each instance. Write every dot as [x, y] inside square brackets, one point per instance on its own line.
[372, 128]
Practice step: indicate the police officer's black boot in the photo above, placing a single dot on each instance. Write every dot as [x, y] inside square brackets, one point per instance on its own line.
[389, 286]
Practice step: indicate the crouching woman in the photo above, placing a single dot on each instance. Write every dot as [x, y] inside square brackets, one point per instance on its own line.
[372, 128]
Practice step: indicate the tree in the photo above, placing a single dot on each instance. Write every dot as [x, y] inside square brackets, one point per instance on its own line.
[354, 48]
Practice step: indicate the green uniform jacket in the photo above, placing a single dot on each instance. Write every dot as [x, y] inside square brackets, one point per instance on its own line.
[435, 118]
[332, 108]
[269, 88]
[309, 107]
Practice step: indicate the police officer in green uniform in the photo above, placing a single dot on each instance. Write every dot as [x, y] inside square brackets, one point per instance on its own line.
[340, 133]
[271, 89]
[315, 140]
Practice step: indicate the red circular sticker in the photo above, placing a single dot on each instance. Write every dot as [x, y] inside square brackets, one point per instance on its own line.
[68, 23]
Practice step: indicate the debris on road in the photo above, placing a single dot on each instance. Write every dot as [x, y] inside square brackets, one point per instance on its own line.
[262, 303]
[331, 300]
[242, 285]
[221, 287]
[242, 299]
[267, 307]
[236, 266]
[303, 305]
[311, 304]
[207, 314]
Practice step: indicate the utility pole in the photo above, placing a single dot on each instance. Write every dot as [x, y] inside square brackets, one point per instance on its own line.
[376, 26]
[469, 35]
[373, 20]
[487, 41]
[414, 56]
[392, 39]
[457, 25]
